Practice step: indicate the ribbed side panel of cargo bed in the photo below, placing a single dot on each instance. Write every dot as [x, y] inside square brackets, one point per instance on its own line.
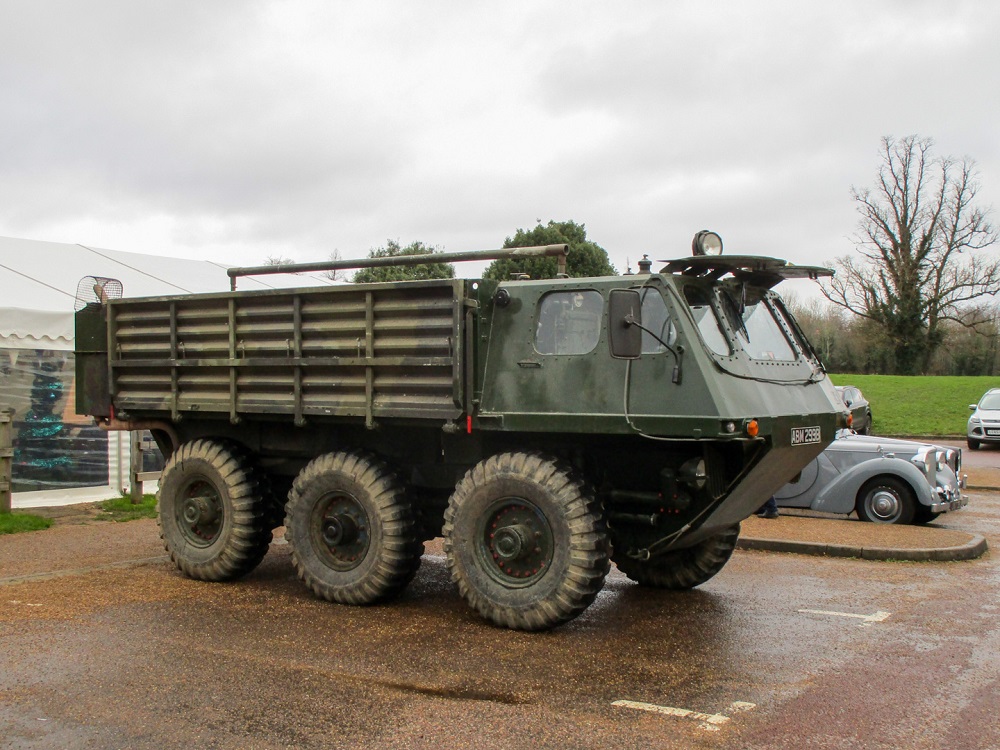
[371, 351]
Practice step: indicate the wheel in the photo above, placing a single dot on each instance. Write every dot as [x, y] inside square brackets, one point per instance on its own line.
[211, 513]
[684, 568]
[868, 425]
[526, 541]
[351, 529]
[973, 444]
[886, 500]
[922, 515]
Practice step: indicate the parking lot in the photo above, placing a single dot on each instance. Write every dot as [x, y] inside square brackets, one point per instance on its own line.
[778, 650]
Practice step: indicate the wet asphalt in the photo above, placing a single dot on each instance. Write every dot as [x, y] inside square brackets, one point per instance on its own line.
[113, 648]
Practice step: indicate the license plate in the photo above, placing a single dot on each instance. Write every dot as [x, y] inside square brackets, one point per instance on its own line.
[805, 435]
[993, 432]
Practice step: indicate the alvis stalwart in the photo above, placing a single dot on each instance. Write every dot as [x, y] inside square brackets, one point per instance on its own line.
[544, 428]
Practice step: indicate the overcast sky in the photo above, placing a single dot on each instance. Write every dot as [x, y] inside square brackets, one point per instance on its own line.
[234, 131]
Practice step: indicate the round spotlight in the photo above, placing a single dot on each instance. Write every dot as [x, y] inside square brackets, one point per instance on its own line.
[706, 243]
[693, 474]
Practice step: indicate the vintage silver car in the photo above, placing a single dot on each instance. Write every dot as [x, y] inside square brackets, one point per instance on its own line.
[885, 480]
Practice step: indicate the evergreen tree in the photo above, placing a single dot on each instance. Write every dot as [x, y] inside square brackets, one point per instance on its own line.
[392, 248]
[585, 258]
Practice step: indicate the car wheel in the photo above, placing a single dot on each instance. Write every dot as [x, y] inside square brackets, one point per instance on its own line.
[886, 500]
[923, 515]
[973, 444]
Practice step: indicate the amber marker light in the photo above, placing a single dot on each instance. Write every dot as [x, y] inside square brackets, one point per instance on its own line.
[753, 428]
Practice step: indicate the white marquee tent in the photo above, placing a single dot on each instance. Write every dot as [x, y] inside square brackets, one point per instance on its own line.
[38, 282]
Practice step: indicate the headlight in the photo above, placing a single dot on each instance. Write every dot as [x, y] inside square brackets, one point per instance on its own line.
[706, 243]
[926, 461]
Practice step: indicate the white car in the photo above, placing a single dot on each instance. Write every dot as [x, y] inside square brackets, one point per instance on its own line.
[984, 424]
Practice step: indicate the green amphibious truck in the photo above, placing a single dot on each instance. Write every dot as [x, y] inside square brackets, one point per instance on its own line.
[544, 428]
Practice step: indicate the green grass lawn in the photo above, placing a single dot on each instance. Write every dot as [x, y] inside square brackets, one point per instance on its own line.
[932, 405]
[122, 509]
[15, 523]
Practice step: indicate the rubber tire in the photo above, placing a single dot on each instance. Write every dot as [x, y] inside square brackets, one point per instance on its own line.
[904, 497]
[973, 444]
[244, 536]
[923, 516]
[393, 553]
[579, 540]
[682, 569]
[868, 426]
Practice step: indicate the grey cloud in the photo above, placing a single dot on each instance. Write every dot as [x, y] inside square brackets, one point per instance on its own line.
[245, 129]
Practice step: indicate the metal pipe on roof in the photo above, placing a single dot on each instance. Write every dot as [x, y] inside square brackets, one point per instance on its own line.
[559, 251]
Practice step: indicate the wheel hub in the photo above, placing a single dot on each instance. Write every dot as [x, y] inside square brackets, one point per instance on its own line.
[200, 513]
[516, 542]
[511, 542]
[341, 531]
[884, 504]
[200, 510]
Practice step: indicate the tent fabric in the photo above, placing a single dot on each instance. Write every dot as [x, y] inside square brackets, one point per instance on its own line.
[36, 329]
[37, 275]
[60, 457]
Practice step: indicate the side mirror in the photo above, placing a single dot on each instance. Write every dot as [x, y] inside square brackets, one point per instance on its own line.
[972, 407]
[624, 312]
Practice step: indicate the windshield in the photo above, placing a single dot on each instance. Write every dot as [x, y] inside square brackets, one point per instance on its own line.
[757, 329]
[990, 401]
[708, 324]
[792, 325]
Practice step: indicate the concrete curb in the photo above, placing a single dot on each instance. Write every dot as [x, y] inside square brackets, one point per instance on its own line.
[972, 549]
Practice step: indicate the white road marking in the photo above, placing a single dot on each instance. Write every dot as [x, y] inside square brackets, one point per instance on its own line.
[708, 722]
[879, 616]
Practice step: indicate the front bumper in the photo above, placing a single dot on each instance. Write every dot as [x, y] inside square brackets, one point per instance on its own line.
[949, 499]
[985, 432]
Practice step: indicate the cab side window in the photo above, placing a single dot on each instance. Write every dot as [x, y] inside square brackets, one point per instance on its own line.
[656, 318]
[569, 322]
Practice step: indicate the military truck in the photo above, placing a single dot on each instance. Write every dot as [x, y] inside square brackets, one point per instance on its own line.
[543, 427]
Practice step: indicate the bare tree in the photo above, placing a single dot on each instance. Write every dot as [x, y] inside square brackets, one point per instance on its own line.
[335, 275]
[277, 260]
[919, 234]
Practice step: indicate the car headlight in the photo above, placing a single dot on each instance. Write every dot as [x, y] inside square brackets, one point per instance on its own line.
[926, 461]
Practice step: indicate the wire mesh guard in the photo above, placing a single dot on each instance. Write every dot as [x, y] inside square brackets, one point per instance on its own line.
[96, 289]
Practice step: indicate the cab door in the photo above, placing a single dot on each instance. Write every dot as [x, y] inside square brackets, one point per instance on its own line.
[547, 357]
